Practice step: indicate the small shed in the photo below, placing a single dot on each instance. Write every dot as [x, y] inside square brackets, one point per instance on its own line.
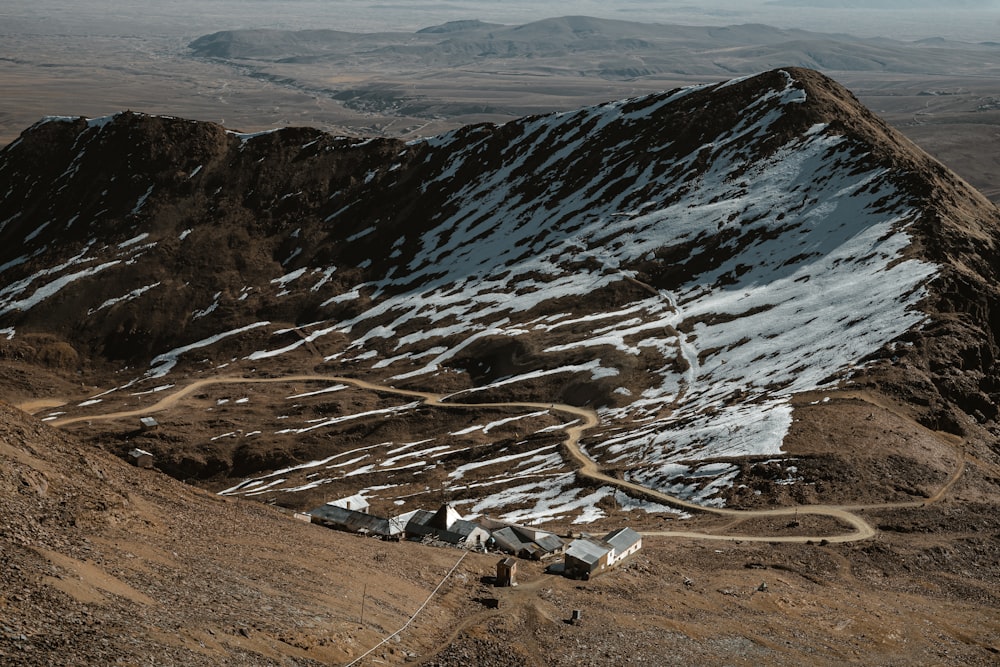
[141, 458]
[507, 572]
[147, 423]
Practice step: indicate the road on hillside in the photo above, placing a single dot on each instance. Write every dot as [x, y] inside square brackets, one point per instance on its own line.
[861, 529]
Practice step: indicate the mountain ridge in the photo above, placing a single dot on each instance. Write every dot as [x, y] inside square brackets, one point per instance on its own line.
[449, 262]
[759, 295]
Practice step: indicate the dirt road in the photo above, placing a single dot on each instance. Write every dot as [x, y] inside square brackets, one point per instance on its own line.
[861, 529]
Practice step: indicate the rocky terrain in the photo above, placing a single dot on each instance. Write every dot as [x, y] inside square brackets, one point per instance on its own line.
[107, 563]
[710, 246]
[749, 313]
[104, 563]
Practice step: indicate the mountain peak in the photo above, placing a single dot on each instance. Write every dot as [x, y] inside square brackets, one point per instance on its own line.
[684, 263]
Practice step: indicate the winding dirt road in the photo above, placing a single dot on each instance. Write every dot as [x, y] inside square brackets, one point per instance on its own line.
[861, 529]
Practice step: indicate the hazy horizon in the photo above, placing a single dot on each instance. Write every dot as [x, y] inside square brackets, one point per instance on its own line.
[973, 21]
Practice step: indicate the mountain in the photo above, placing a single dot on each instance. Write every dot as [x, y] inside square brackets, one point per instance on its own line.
[412, 84]
[580, 45]
[686, 264]
[886, 4]
[104, 562]
[749, 295]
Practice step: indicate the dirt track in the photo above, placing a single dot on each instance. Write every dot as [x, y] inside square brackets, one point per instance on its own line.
[861, 529]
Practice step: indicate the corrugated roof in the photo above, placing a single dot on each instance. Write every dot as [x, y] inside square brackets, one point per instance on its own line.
[419, 518]
[587, 551]
[525, 534]
[463, 527]
[622, 539]
[550, 543]
[346, 519]
[532, 551]
[508, 540]
[424, 523]
[356, 502]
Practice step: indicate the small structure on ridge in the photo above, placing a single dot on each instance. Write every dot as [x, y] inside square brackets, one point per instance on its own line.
[506, 572]
[140, 458]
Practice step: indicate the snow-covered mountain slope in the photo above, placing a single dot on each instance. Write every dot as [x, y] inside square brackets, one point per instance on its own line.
[684, 263]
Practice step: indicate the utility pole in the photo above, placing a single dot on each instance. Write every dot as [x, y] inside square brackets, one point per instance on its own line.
[364, 594]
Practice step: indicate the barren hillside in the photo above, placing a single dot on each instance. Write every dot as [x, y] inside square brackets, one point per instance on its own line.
[105, 563]
[747, 312]
[682, 263]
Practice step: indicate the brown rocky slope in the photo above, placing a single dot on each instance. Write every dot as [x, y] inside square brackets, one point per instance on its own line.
[130, 237]
[104, 562]
[250, 202]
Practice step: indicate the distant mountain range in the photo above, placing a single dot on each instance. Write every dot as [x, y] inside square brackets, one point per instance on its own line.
[889, 4]
[523, 68]
[601, 47]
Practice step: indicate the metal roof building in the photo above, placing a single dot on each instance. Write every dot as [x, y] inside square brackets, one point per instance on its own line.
[357, 503]
[624, 543]
[508, 540]
[523, 541]
[141, 458]
[448, 526]
[586, 557]
[351, 521]
[550, 543]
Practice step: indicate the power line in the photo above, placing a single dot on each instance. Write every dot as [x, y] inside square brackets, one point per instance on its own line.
[407, 624]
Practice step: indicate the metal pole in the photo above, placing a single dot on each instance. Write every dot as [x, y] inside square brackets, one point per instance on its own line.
[364, 594]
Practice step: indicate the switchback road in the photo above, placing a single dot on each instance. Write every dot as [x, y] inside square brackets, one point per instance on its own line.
[587, 419]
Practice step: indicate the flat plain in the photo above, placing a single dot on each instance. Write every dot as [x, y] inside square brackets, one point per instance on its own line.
[381, 72]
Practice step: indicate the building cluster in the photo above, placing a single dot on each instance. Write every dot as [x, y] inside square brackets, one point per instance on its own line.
[585, 557]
